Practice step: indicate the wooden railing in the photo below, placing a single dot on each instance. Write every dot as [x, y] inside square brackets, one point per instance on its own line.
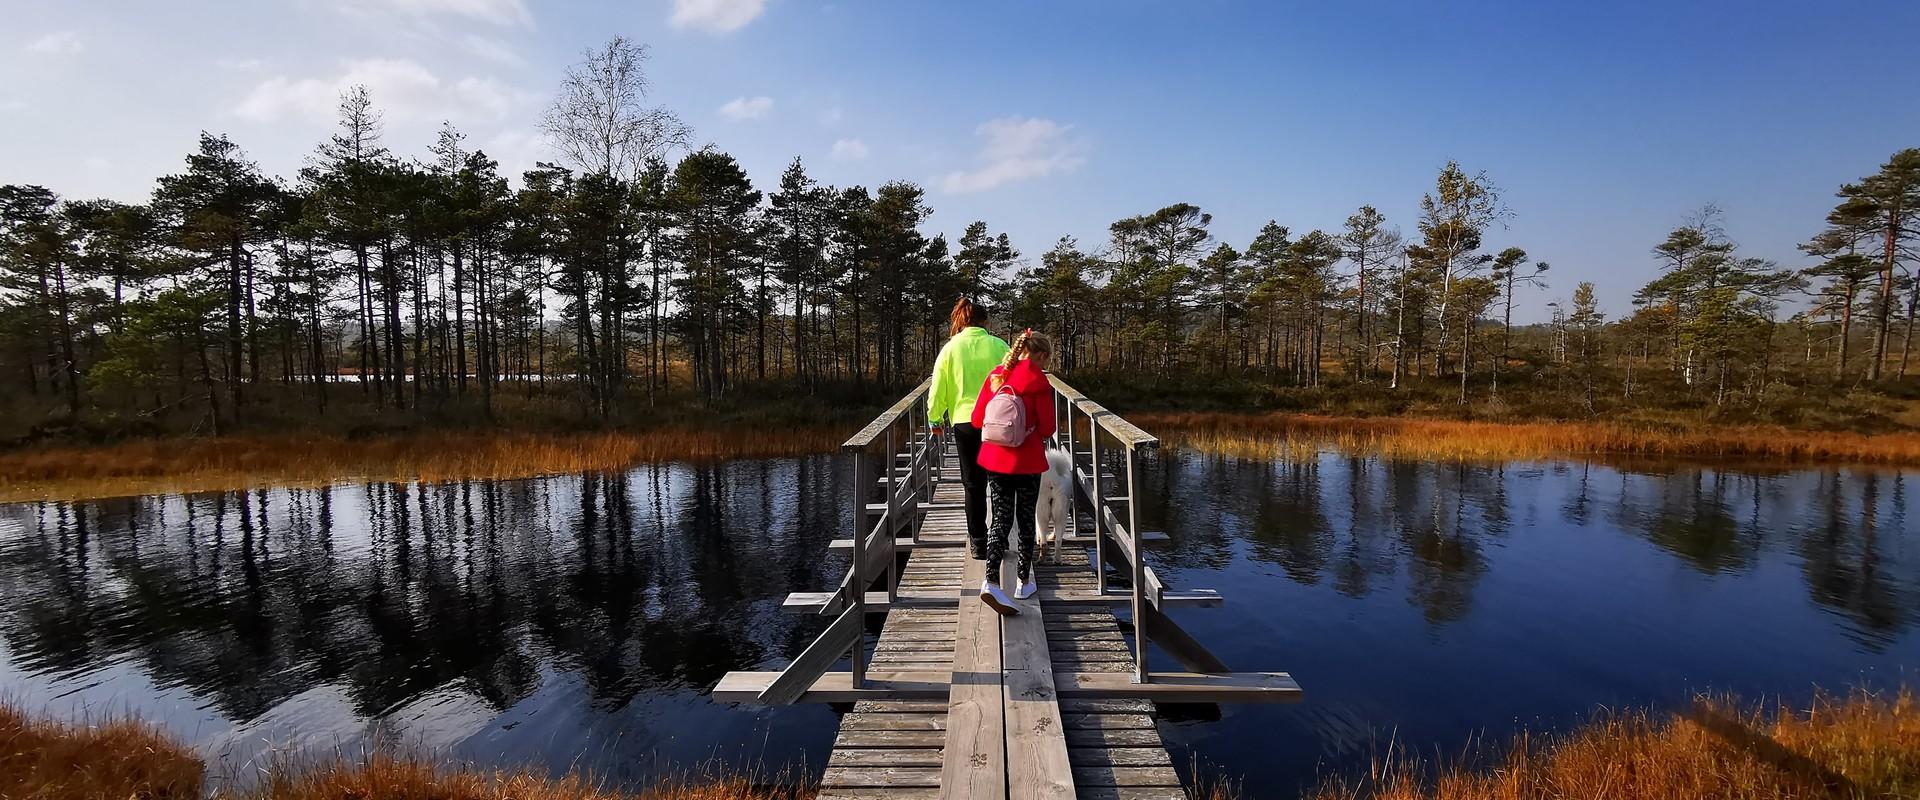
[906, 485]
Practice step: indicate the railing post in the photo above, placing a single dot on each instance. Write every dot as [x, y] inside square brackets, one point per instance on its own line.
[893, 507]
[1099, 509]
[1139, 574]
[858, 601]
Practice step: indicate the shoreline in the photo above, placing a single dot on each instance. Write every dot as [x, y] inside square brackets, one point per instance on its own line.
[179, 466]
[1275, 435]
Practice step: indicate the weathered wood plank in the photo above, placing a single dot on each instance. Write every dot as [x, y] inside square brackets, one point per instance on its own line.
[975, 761]
[1126, 776]
[1037, 764]
[874, 776]
[888, 757]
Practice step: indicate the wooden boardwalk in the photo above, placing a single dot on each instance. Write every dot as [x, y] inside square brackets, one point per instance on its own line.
[899, 748]
[953, 700]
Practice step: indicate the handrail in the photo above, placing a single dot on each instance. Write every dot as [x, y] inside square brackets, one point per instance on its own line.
[868, 435]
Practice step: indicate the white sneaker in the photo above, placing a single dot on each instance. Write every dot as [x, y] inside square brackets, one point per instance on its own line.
[1026, 590]
[996, 599]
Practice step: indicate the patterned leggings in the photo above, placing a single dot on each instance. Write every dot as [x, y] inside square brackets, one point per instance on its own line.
[1013, 498]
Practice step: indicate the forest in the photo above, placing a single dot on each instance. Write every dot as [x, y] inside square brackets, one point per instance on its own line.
[637, 273]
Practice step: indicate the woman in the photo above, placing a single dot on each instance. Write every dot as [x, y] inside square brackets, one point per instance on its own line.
[969, 355]
[1013, 472]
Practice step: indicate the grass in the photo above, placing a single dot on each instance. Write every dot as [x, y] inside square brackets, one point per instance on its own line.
[189, 465]
[1861, 745]
[1298, 436]
[45, 760]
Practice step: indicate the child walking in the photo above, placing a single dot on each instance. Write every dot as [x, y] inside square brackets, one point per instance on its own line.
[1020, 397]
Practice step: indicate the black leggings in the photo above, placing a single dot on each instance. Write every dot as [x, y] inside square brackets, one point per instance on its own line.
[974, 478]
[1014, 498]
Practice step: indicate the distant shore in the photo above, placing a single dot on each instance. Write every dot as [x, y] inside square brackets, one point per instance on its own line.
[1277, 435]
[174, 465]
[152, 466]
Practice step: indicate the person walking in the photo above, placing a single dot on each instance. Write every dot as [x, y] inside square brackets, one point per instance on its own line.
[958, 372]
[1014, 413]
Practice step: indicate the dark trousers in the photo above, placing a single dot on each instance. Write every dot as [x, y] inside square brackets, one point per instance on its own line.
[974, 478]
[1014, 498]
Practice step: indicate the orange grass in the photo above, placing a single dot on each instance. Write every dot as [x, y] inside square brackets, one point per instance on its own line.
[46, 760]
[118, 758]
[1860, 746]
[402, 779]
[189, 465]
[1303, 436]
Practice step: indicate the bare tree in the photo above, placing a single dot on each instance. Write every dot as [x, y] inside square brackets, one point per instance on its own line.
[600, 121]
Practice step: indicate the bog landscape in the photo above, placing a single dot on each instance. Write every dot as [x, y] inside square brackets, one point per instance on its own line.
[477, 399]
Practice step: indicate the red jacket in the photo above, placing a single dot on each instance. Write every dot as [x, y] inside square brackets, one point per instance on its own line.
[1030, 458]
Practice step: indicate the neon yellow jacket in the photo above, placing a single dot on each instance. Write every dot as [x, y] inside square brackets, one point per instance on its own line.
[959, 371]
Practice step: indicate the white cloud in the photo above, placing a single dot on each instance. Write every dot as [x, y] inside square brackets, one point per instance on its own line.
[58, 43]
[240, 64]
[401, 89]
[491, 49]
[832, 116]
[97, 163]
[12, 105]
[744, 108]
[716, 16]
[497, 12]
[1017, 149]
[849, 150]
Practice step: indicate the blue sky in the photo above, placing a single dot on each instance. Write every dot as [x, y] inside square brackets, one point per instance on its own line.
[1605, 123]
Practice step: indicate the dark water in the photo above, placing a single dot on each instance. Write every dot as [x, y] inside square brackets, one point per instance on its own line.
[577, 621]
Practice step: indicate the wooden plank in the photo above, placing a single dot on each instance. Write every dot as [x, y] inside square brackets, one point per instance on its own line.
[1183, 687]
[870, 793]
[1125, 793]
[1092, 775]
[891, 739]
[975, 761]
[1153, 756]
[865, 776]
[1037, 765]
[888, 757]
[893, 722]
[837, 687]
[1163, 631]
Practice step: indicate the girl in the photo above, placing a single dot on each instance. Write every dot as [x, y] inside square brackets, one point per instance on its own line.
[1013, 473]
[963, 364]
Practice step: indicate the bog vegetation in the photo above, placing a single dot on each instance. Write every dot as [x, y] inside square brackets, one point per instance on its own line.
[46, 760]
[636, 271]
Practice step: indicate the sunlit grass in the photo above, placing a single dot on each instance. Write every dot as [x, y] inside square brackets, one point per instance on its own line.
[186, 465]
[1294, 436]
[1859, 746]
[45, 760]
[113, 758]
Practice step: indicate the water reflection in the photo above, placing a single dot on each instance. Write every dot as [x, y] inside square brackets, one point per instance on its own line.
[473, 597]
[1432, 604]
[578, 621]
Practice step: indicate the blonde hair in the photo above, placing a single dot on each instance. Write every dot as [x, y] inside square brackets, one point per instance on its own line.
[1027, 343]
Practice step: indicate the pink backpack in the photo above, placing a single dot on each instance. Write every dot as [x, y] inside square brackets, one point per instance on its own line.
[1005, 421]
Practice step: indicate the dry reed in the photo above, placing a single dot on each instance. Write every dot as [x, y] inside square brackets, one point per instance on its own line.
[1302, 436]
[1859, 746]
[44, 760]
[387, 777]
[188, 465]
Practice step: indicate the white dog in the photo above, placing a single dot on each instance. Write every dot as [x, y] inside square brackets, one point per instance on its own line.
[1051, 512]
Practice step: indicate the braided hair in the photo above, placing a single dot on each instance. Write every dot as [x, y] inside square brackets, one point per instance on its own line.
[1027, 343]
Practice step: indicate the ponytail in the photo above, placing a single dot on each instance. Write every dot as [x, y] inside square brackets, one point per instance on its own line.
[965, 315]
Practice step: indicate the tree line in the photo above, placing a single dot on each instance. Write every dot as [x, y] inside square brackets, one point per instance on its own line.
[638, 267]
